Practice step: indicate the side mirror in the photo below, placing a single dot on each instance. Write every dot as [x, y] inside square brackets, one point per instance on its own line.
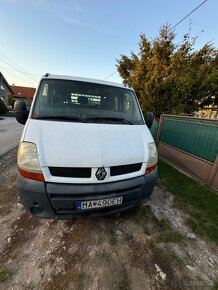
[149, 118]
[21, 112]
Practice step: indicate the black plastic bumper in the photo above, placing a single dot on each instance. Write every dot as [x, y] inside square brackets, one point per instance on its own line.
[57, 201]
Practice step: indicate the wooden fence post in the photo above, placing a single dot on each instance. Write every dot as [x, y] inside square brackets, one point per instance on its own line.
[159, 130]
[213, 172]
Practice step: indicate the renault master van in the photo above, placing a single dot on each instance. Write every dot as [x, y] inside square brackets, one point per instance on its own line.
[85, 149]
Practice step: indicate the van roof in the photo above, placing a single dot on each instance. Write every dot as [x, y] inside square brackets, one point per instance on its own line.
[81, 79]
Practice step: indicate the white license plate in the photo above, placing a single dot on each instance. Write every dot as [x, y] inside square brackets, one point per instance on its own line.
[99, 203]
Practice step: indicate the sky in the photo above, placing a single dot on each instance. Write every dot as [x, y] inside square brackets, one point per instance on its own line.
[85, 37]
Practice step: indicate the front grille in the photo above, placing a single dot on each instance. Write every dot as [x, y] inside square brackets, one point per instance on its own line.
[85, 172]
[124, 169]
[76, 172]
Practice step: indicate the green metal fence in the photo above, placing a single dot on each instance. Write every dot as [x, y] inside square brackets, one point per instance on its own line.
[153, 129]
[193, 119]
[195, 136]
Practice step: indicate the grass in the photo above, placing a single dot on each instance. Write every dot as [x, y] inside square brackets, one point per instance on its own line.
[160, 230]
[79, 281]
[166, 234]
[4, 275]
[199, 201]
[69, 280]
[215, 285]
[124, 283]
[170, 237]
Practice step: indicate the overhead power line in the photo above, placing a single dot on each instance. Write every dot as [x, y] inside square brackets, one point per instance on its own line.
[188, 14]
[29, 78]
[110, 75]
[172, 27]
[4, 60]
[14, 64]
[11, 69]
[28, 82]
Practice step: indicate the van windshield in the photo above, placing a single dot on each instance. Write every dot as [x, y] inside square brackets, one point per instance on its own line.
[79, 101]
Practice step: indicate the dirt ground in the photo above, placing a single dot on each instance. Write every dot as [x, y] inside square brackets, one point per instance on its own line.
[149, 247]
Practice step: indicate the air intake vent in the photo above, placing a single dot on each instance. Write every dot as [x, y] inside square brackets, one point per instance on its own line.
[124, 169]
[76, 172]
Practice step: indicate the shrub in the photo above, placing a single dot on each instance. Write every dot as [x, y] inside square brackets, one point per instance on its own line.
[3, 108]
[11, 100]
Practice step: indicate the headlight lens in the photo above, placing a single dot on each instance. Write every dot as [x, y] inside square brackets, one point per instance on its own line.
[27, 161]
[27, 158]
[153, 155]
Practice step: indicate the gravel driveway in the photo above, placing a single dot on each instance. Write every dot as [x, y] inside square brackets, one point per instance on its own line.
[146, 248]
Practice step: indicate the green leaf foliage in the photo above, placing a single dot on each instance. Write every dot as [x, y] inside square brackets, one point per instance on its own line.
[11, 100]
[171, 77]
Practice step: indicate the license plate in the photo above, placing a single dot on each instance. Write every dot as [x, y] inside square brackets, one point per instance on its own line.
[99, 203]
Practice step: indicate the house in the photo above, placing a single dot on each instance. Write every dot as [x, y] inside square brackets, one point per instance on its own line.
[5, 89]
[23, 93]
[18, 93]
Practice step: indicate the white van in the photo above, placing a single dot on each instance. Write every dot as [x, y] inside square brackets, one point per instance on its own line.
[85, 149]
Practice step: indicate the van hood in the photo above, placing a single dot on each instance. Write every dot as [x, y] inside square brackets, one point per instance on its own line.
[70, 144]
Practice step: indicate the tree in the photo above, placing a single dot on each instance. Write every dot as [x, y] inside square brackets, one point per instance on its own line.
[10, 100]
[170, 77]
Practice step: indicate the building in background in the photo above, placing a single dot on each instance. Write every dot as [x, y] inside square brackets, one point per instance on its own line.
[15, 92]
[5, 89]
[23, 94]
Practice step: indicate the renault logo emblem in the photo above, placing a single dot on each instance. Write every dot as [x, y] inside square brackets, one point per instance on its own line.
[101, 173]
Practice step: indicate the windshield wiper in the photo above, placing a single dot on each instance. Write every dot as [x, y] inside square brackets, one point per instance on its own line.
[119, 120]
[67, 118]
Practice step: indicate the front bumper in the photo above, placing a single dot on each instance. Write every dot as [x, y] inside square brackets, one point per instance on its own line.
[57, 201]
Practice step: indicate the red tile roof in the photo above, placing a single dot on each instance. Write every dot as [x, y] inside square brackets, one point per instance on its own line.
[23, 92]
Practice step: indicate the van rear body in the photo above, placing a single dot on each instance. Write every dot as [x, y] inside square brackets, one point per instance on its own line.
[85, 150]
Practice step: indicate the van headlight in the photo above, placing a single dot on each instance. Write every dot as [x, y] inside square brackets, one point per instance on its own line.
[28, 162]
[153, 157]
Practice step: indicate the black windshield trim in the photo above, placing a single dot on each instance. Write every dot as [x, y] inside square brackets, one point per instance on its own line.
[121, 120]
[62, 118]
